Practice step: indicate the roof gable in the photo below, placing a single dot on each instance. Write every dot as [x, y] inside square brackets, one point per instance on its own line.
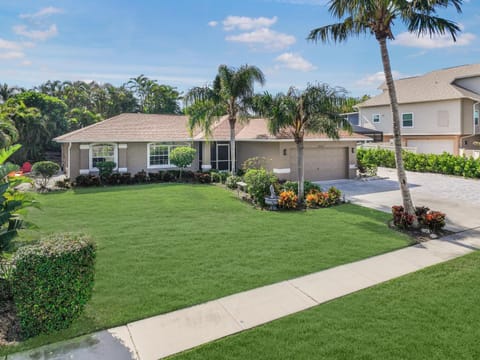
[434, 86]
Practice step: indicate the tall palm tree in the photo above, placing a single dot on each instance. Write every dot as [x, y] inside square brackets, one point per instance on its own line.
[6, 92]
[314, 110]
[230, 95]
[376, 17]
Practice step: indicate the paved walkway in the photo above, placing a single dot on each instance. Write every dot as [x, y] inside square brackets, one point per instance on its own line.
[167, 334]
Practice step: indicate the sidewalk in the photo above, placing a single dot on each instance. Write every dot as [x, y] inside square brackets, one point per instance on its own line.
[170, 333]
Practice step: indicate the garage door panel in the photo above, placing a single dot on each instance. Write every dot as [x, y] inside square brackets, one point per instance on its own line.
[432, 146]
[322, 164]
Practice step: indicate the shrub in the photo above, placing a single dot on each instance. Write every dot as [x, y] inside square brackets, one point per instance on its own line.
[258, 184]
[231, 181]
[63, 184]
[433, 220]
[155, 177]
[215, 177]
[105, 169]
[45, 170]
[141, 177]
[87, 180]
[334, 196]
[445, 163]
[255, 163]
[203, 178]
[307, 186]
[401, 218]
[288, 200]
[52, 282]
[182, 156]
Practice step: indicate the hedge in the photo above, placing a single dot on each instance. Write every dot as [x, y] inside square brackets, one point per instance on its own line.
[52, 281]
[441, 164]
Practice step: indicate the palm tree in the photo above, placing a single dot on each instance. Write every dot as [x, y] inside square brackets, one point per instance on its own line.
[6, 92]
[313, 110]
[231, 94]
[377, 17]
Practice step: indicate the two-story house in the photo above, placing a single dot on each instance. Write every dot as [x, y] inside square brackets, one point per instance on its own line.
[439, 111]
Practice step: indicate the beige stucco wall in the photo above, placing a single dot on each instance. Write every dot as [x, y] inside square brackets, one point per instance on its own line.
[432, 118]
[467, 114]
[281, 155]
[133, 158]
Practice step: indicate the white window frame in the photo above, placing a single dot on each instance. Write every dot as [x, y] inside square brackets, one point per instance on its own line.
[413, 120]
[90, 155]
[373, 118]
[476, 114]
[166, 166]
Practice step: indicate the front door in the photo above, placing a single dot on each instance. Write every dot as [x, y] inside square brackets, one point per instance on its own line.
[223, 157]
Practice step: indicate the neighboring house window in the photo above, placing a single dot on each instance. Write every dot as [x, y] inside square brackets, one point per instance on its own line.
[475, 116]
[407, 120]
[376, 118]
[159, 155]
[102, 152]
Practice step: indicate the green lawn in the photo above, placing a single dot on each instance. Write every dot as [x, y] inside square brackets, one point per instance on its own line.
[165, 247]
[431, 314]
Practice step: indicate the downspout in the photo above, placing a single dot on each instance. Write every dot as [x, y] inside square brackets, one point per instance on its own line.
[68, 159]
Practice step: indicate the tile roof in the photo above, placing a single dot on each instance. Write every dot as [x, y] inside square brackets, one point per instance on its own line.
[133, 128]
[433, 86]
[149, 128]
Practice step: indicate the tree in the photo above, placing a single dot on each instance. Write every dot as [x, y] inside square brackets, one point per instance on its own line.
[6, 92]
[314, 110]
[45, 170]
[182, 157]
[377, 17]
[231, 94]
[79, 118]
[154, 98]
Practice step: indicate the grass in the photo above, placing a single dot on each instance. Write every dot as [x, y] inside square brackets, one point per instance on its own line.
[165, 247]
[431, 314]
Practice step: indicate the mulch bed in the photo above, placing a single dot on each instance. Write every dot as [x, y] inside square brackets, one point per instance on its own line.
[9, 325]
[418, 235]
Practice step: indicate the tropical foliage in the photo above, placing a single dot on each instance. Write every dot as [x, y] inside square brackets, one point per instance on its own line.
[362, 17]
[231, 95]
[34, 117]
[296, 113]
[182, 156]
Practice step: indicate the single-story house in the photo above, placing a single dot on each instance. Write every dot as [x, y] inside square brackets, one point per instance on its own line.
[138, 142]
[439, 111]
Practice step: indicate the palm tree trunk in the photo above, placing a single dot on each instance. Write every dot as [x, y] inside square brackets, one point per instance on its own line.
[232, 147]
[300, 172]
[397, 136]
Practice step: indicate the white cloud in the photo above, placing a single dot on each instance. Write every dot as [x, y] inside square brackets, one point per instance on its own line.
[435, 42]
[42, 13]
[212, 23]
[376, 79]
[40, 35]
[265, 38]
[294, 62]
[247, 23]
[10, 45]
[9, 55]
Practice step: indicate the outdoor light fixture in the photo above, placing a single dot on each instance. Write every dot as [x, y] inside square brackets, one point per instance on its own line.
[284, 152]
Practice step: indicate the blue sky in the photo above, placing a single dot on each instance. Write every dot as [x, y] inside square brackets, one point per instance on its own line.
[182, 42]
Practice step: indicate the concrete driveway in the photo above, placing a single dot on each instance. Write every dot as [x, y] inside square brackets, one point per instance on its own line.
[459, 198]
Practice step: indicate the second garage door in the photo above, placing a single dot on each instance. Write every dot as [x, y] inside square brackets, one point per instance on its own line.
[432, 146]
[322, 164]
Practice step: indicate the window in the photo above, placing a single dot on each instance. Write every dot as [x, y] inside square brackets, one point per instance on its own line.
[475, 117]
[159, 155]
[407, 120]
[102, 152]
[376, 118]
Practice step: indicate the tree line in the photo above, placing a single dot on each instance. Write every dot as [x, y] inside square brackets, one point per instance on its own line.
[33, 117]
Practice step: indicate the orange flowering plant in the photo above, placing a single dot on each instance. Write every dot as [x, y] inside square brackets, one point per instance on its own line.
[287, 199]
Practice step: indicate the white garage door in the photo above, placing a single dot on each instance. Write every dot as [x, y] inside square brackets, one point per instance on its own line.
[432, 146]
[322, 164]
